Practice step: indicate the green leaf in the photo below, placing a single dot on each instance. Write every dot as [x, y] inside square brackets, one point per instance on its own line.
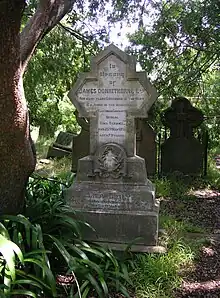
[67, 257]
[67, 220]
[78, 251]
[23, 292]
[83, 287]
[93, 251]
[28, 282]
[104, 285]
[123, 290]
[21, 220]
[36, 252]
[95, 285]
[32, 277]
[86, 292]
[48, 273]
[93, 266]
[125, 273]
[4, 231]
[7, 248]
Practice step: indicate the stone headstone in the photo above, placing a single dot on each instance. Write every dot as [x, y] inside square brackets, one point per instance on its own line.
[182, 152]
[146, 146]
[62, 145]
[80, 142]
[111, 190]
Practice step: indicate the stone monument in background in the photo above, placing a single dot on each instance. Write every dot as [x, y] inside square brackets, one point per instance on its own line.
[81, 142]
[182, 152]
[62, 145]
[111, 190]
[146, 145]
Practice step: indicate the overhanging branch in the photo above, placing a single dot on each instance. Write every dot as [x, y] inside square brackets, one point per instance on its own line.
[76, 34]
[47, 16]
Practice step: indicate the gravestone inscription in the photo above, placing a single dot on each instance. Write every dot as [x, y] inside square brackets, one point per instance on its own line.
[146, 146]
[182, 152]
[111, 188]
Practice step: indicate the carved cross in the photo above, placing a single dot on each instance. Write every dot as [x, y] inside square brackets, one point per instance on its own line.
[181, 118]
[112, 95]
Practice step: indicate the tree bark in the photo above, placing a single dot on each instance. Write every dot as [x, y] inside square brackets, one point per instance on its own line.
[17, 157]
[48, 14]
[17, 161]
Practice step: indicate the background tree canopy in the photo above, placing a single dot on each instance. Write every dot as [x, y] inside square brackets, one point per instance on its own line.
[52, 71]
[177, 44]
[180, 45]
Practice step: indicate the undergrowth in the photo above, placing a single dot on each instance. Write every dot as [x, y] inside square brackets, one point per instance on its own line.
[159, 275]
[48, 243]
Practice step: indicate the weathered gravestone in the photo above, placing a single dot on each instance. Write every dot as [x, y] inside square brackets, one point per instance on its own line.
[80, 142]
[111, 188]
[62, 146]
[146, 146]
[182, 152]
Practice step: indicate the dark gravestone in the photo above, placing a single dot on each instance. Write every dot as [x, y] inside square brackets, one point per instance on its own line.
[81, 142]
[146, 145]
[62, 146]
[182, 152]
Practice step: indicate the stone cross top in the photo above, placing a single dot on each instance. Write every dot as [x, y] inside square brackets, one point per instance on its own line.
[181, 118]
[111, 96]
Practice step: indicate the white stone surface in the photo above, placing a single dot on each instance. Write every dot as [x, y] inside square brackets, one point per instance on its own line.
[112, 95]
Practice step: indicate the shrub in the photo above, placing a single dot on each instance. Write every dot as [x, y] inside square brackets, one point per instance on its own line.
[48, 242]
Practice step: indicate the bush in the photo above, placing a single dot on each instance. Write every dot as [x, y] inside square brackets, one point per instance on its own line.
[48, 242]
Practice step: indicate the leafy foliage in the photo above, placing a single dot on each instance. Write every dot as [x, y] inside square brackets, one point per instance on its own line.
[47, 241]
[94, 267]
[30, 273]
[181, 44]
[177, 44]
[51, 73]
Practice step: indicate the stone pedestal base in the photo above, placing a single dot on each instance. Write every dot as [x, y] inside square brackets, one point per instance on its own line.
[119, 213]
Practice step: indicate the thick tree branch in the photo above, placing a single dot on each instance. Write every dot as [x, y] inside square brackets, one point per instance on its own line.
[47, 15]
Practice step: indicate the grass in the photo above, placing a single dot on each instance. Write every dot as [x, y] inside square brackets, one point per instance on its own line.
[213, 176]
[42, 144]
[157, 276]
[59, 168]
[183, 187]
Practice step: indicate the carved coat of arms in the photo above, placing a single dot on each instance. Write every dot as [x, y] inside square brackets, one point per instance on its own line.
[110, 161]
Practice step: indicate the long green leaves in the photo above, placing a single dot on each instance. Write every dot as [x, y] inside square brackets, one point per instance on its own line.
[45, 242]
[9, 250]
[31, 256]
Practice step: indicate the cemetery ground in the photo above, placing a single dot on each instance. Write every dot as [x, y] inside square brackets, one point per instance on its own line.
[189, 229]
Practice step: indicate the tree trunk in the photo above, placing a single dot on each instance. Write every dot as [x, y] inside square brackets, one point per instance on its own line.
[16, 156]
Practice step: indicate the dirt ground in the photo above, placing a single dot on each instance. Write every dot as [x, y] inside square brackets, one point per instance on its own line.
[202, 211]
